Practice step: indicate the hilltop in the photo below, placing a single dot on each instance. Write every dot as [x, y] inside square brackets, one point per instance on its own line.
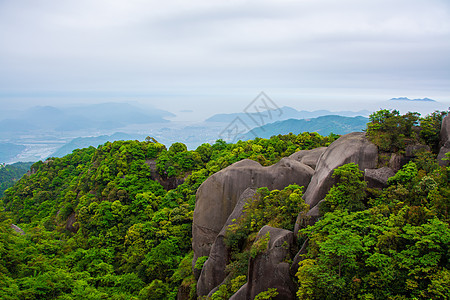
[137, 220]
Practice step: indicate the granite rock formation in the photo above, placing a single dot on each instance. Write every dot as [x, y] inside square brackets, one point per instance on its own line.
[218, 195]
[444, 140]
[269, 269]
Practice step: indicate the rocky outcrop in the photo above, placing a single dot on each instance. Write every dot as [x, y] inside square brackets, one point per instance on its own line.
[220, 199]
[377, 178]
[413, 150]
[17, 229]
[218, 195]
[299, 257]
[309, 157]
[312, 216]
[350, 148]
[444, 140]
[397, 161]
[167, 183]
[269, 269]
[71, 223]
[213, 271]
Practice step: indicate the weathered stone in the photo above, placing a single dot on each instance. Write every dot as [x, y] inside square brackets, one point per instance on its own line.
[309, 157]
[444, 149]
[309, 218]
[350, 148]
[269, 269]
[17, 229]
[377, 178]
[445, 130]
[444, 141]
[213, 291]
[241, 294]
[213, 271]
[167, 183]
[413, 150]
[299, 257]
[183, 293]
[397, 161]
[71, 223]
[313, 214]
[218, 195]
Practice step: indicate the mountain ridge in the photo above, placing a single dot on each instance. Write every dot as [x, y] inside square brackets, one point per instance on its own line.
[413, 100]
[286, 113]
[323, 125]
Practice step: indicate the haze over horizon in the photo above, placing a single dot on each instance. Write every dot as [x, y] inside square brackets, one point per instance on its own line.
[212, 57]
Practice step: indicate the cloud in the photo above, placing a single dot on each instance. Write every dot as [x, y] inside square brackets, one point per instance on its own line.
[148, 46]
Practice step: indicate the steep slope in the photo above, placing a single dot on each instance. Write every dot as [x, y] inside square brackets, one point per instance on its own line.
[353, 224]
[98, 224]
[10, 174]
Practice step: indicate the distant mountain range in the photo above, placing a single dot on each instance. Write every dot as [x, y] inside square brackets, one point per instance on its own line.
[323, 125]
[9, 150]
[413, 100]
[85, 142]
[284, 113]
[105, 116]
[48, 131]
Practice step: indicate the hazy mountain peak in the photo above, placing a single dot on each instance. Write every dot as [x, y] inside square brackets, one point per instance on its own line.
[414, 100]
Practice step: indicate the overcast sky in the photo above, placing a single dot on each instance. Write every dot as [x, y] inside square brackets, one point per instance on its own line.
[218, 55]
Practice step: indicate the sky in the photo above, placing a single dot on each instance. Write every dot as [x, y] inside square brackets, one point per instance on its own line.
[216, 56]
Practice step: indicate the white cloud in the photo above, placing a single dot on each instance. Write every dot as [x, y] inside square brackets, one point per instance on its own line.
[144, 46]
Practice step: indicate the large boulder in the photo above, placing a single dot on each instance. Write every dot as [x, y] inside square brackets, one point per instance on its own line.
[167, 183]
[309, 157]
[378, 178]
[213, 271]
[71, 223]
[397, 161]
[350, 148]
[299, 257]
[218, 195]
[17, 229]
[269, 269]
[444, 140]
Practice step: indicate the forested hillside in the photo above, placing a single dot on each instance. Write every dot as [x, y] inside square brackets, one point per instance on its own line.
[391, 242]
[116, 222]
[9, 174]
[99, 223]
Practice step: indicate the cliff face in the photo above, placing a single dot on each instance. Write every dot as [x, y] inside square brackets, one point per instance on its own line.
[218, 195]
[444, 140]
[221, 198]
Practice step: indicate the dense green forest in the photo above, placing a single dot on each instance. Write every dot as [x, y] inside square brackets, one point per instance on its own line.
[132, 237]
[103, 223]
[392, 243]
[9, 174]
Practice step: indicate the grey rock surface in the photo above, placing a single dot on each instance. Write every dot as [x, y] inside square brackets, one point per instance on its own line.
[17, 229]
[213, 271]
[397, 161]
[413, 150]
[218, 195]
[377, 178]
[269, 268]
[444, 141]
[309, 157]
[71, 223]
[350, 148]
[299, 257]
